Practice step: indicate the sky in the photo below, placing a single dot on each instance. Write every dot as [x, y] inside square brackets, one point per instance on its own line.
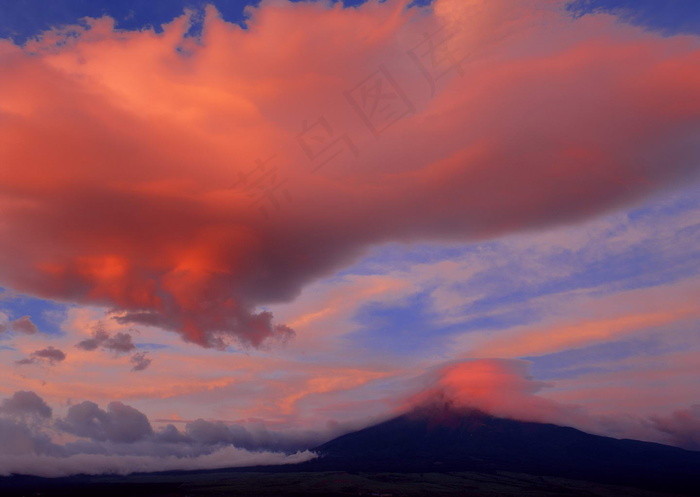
[231, 232]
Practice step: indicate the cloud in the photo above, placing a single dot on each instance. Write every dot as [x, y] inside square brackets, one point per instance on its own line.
[99, 336]
[583, 321]
[123, 424]
[681, 426]
[204, 180]
[50, 355]
[224, 457]
[501, 387]
[22, 325]
[505, 388]
[118, 440]
[119, 423]
[256, 436]
[18, 438]
[140, 361]
[25, 403]
[119, 343]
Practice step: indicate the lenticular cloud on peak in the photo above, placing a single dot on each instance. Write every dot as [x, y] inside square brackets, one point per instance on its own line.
[184, 184]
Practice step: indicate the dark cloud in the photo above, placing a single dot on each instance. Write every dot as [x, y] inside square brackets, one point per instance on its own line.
[122, 429]
[208, 432]
[50, 355]
[22, 418]
[119, 423]
[99, 336]
[119, 439]
[25, 403]
[119, 343]
[140, 361]
[22, 325]
[171, 435]
[19, 438]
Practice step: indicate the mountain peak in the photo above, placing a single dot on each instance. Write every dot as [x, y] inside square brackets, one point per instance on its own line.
[441, 437]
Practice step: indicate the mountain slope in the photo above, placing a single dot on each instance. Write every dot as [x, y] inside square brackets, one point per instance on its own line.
[445, 439]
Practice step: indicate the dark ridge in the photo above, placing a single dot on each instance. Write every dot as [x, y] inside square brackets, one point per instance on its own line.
[440, 438]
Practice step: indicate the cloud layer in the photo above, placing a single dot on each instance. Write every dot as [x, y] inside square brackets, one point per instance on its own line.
[120, 439]
[185, 185]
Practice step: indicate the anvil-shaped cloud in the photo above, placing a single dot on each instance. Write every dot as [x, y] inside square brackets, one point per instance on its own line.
[186, 183]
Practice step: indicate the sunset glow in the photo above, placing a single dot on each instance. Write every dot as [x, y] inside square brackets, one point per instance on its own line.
[226, 241]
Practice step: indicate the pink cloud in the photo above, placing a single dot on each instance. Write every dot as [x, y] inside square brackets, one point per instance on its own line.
[583, 320]
[21, 325]
[133, 172]
[683, 427]
[501, 387]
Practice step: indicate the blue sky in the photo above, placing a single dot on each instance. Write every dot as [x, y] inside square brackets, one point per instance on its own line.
[23, 19]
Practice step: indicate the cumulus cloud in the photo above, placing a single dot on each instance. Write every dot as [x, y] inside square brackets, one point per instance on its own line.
[25, 403]
[22, 419]
[118, 439]
[18, 438]
[119, 423]
[204, 180]
[50, 355]
[122, 425]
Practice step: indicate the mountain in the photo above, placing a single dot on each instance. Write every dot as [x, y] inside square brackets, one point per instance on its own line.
[444, 439]
[435, 451]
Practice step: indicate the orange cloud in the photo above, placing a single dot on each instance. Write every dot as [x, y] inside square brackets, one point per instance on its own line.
[501, 387]
[184, 185]
[557, 338]
[582, 319]
[341, 380]
[640, 385]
